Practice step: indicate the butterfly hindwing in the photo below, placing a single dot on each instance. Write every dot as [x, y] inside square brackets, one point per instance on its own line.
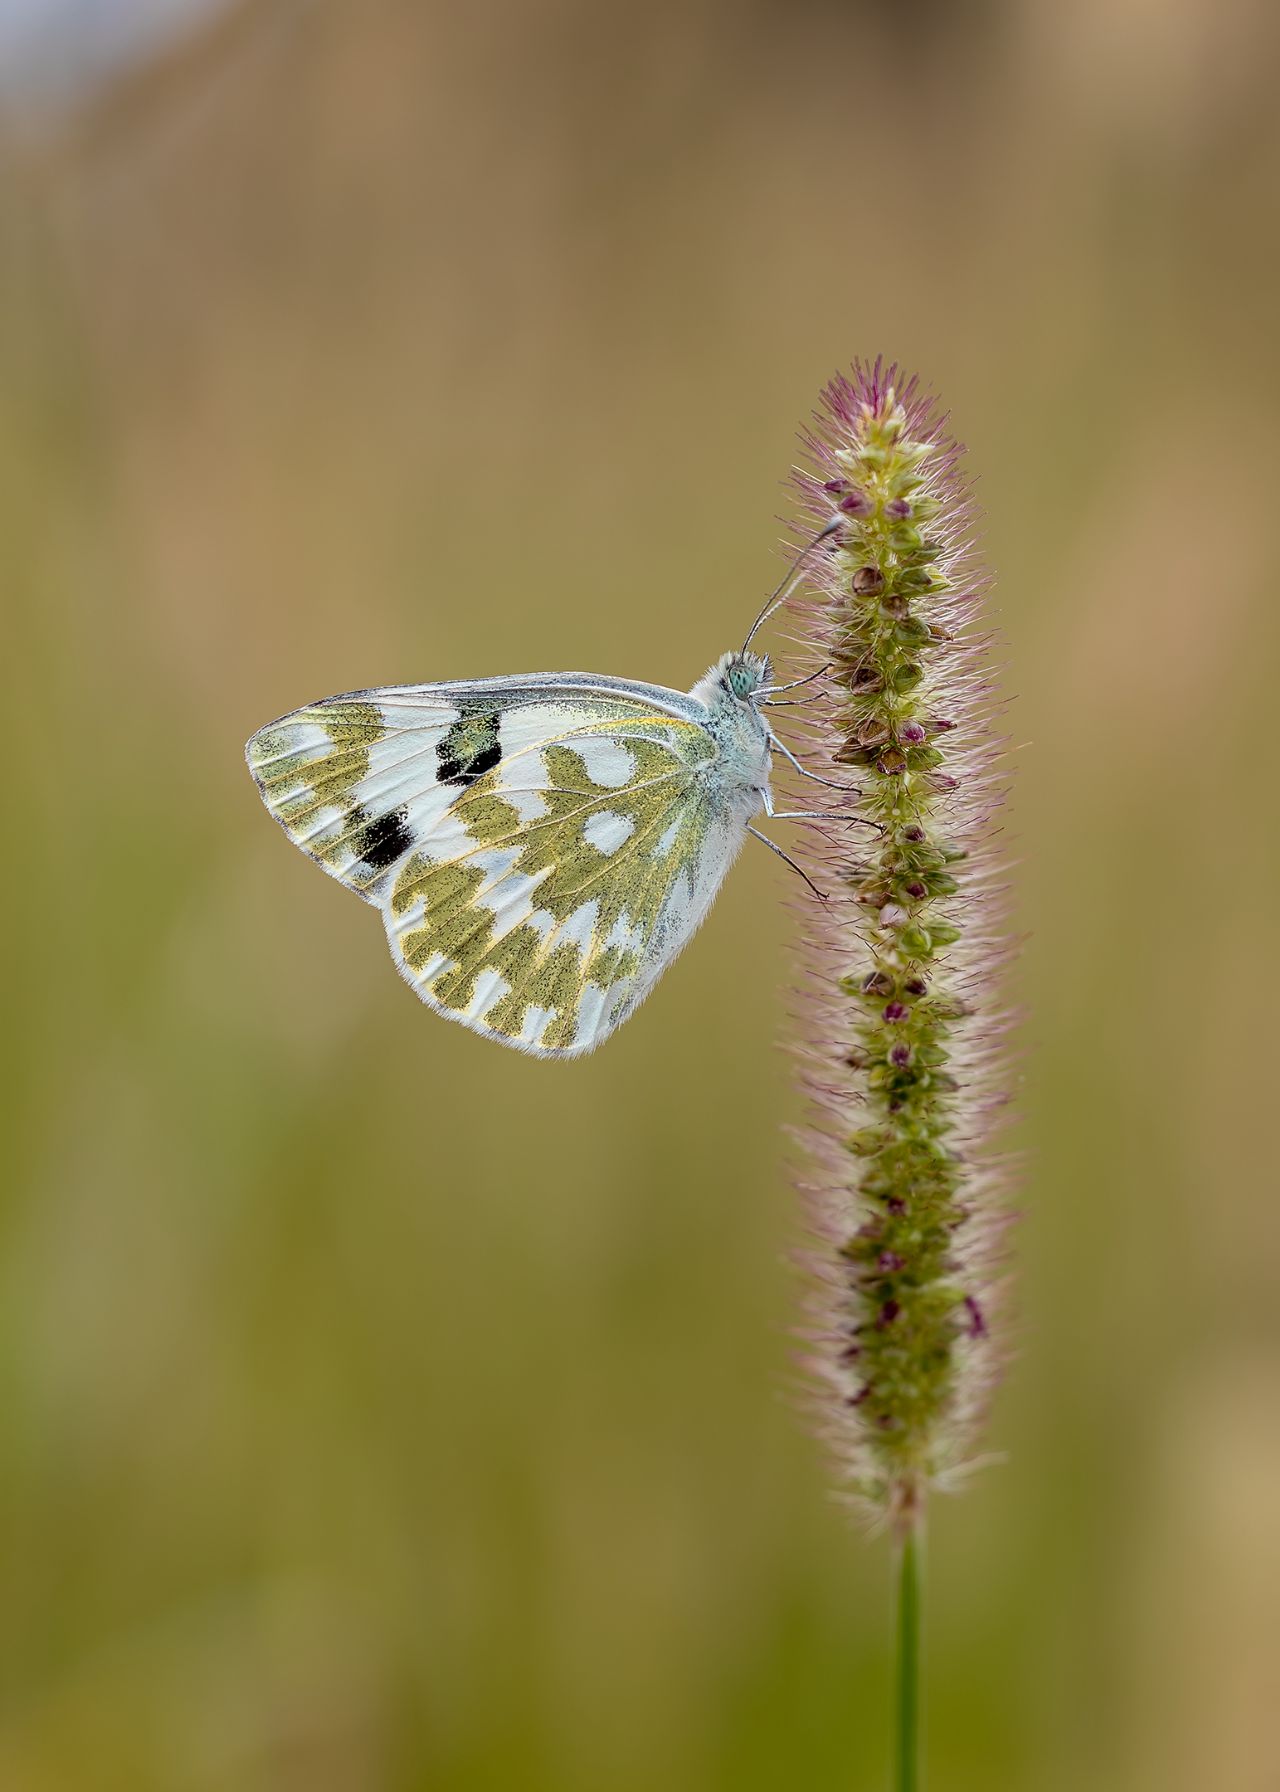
[540, 849]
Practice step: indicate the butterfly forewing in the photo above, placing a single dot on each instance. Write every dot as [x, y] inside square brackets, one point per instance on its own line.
[340, 775]
[540, 849]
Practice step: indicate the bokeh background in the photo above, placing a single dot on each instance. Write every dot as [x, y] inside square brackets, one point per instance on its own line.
[383, 1411]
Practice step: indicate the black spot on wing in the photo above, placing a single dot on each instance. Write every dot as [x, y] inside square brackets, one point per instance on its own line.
[484, 761]
[468, 750]
[382, 841]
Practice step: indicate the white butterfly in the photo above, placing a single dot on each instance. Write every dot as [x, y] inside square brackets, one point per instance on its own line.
[540, 847]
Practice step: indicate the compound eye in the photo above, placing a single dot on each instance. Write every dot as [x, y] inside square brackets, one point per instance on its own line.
[742, 679]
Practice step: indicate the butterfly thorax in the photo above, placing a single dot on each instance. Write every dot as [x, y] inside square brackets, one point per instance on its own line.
[730, 695]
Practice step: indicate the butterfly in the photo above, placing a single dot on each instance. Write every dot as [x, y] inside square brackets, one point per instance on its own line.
[540, 847]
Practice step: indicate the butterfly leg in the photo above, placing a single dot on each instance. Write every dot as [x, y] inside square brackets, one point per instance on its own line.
[811, 814]
[822, 815]
[817, 815]
[774, 847]
[791, 759]
[773, 689]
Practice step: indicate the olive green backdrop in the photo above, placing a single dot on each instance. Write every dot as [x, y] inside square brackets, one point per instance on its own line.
[380, 1410]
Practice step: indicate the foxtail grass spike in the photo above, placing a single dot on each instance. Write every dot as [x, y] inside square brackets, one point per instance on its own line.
[902, 1032]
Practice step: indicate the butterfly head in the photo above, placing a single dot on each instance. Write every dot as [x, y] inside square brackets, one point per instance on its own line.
[744, 676]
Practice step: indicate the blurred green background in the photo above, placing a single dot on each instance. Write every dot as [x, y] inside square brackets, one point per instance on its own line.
[380, 1410]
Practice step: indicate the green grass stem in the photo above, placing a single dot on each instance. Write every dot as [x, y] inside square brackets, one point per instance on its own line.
[907, 1699]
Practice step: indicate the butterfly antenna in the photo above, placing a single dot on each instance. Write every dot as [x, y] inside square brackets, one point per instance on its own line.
[787, 583]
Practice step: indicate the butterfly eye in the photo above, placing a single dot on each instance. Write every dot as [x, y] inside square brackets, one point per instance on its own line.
[743, 679]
